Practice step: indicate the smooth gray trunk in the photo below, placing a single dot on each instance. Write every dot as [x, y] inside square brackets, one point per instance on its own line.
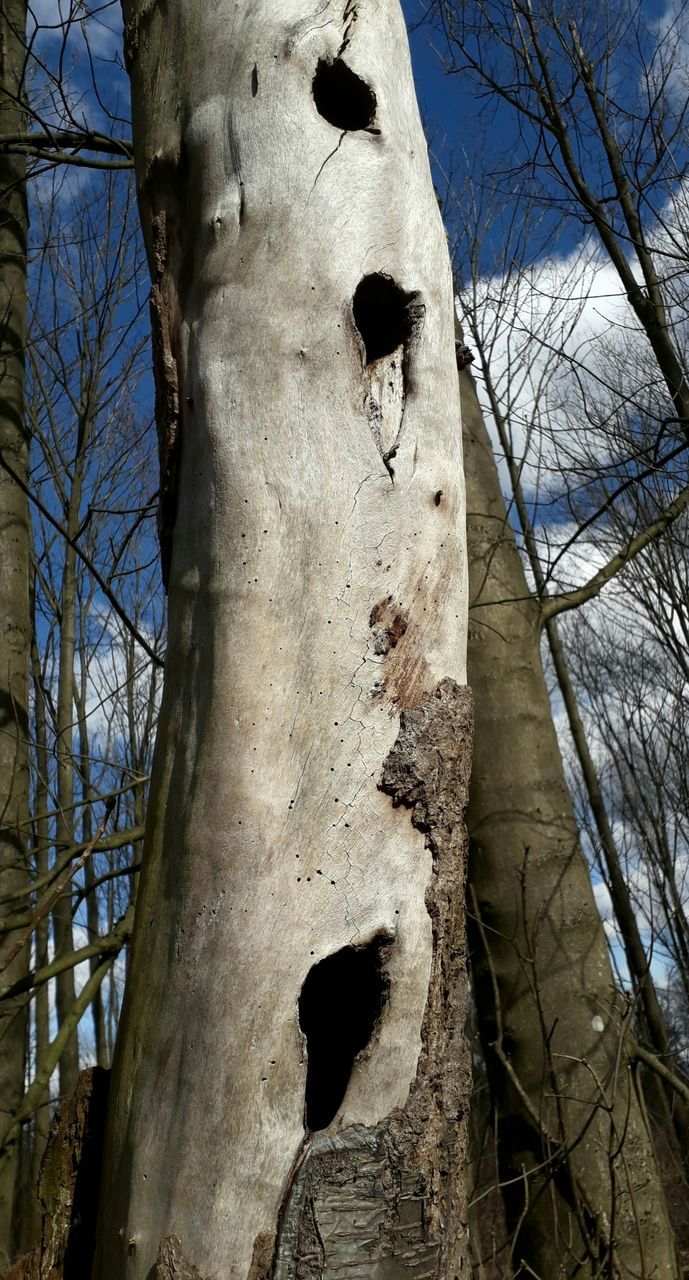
[314, 739]
[581, 1184]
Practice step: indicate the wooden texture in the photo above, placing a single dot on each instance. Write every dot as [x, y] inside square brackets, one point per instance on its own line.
[307, 393]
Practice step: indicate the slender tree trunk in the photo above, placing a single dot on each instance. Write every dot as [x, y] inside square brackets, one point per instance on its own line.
[92, 900]
[581, 1184]
[652, 1018]
[291, 1077]
[651, 1014]
[14, 578]
[41, 1009]
[62, 912]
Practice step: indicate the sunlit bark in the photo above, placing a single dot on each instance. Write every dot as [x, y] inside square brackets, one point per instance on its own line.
[291, 1076]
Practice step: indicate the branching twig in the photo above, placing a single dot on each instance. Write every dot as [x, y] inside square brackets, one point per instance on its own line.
[52, 897]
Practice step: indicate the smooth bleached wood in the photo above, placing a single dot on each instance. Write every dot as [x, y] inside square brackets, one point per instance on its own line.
[314, 740]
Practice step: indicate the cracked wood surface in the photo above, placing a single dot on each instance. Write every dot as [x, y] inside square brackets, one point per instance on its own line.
[270, 843]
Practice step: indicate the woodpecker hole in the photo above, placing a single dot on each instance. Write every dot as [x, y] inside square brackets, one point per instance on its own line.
[384, 315]
[342, 97]
[340, 1003]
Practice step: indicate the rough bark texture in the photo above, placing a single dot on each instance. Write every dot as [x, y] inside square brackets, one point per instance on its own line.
[581, 1184]
[308, 417]
[68, 1186]
[70, 1179]
[14, 582]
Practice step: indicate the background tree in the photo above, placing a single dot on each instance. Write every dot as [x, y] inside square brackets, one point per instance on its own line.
[14, 575]
[94, 702]
[575, 1156]
[575, 165]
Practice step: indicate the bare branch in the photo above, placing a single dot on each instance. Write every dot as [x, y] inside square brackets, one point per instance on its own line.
[551, 606]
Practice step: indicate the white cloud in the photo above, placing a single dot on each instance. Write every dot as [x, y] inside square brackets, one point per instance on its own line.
[535, 329]
[670, 65]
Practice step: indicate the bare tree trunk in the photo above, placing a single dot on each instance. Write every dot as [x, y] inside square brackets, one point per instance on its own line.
[653, 1021]
[581, 1184]
[14, 578]
[291, 1078]
[62, 912]
[67, 766]
[41, 1008]
[92, 900]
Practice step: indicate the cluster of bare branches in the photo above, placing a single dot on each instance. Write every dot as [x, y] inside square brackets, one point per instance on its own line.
[91, 616]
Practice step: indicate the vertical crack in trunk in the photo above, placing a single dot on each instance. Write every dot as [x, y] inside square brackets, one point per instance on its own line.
[388, 321]
[166, 362]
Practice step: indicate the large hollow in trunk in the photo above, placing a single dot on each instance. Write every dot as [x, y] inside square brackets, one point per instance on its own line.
[305, 842]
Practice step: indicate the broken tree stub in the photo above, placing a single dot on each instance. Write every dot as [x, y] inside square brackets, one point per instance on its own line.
[291, 1078]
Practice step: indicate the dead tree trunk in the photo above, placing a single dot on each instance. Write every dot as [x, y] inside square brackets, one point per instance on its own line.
[577, 1164]
[291, 1078]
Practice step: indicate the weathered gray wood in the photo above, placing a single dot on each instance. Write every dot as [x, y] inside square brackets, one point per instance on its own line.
[313, 746]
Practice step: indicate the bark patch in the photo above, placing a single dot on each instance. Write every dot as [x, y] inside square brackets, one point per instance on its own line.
[388, 624]
[69, 1184]
[428, 772]
[355, 1215]
[171, 1263]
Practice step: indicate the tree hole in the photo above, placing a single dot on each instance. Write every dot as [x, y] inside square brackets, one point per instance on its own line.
[384, 315]
[342, 97]
[340, 1003]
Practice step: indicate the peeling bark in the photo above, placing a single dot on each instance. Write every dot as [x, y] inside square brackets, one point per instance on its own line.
[70, 1178]
[171, 1263]
[300, 257]
[68, 1186]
